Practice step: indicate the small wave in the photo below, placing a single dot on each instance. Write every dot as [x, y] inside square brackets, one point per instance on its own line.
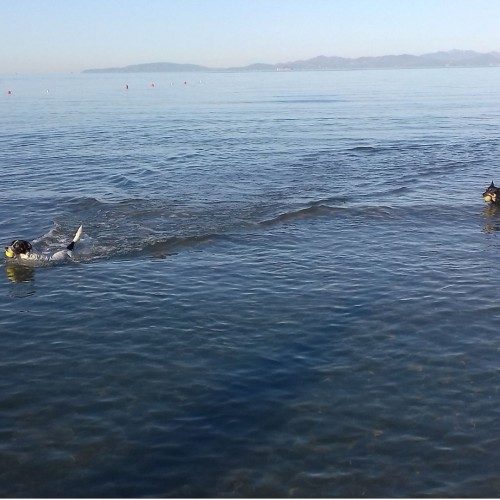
[397, 146]
[365, 149]
[182, 156]
[306, 101]
[158, 248]
[303, 213]
[399, 191]
[169, 246]
[122, 181]
[329, 200]
[291, 100]
[50, 235]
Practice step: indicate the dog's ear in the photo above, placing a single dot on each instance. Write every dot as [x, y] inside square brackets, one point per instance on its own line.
[21, 246]
[492, 186]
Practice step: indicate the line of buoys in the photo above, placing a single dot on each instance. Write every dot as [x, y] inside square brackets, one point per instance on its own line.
[126, 87]
[153, 84]
[11, 92]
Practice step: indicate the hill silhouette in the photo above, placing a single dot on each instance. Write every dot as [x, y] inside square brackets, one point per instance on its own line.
[452, 58]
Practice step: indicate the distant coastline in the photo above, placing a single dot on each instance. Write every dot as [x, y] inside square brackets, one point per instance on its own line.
[452, 58]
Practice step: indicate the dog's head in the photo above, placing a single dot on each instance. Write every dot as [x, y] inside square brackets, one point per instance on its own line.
[492, 194]
[17, 247]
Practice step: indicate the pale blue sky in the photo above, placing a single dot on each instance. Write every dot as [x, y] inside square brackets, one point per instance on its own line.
[72, 35]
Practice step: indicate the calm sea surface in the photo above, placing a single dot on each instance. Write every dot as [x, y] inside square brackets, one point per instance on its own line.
[288, 285]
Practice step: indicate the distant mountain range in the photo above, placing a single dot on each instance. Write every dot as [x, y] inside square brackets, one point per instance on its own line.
[452, 58]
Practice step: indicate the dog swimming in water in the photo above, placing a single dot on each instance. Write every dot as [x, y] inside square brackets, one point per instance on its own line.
[22, 251]
[492, 194]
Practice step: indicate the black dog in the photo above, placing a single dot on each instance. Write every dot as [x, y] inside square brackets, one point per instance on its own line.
[22, 250]
[492, 194]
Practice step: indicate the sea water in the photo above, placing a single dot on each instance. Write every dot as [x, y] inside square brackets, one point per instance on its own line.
[287, 284]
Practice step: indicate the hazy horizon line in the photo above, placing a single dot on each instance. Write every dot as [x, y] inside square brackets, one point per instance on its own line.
[259, 62]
